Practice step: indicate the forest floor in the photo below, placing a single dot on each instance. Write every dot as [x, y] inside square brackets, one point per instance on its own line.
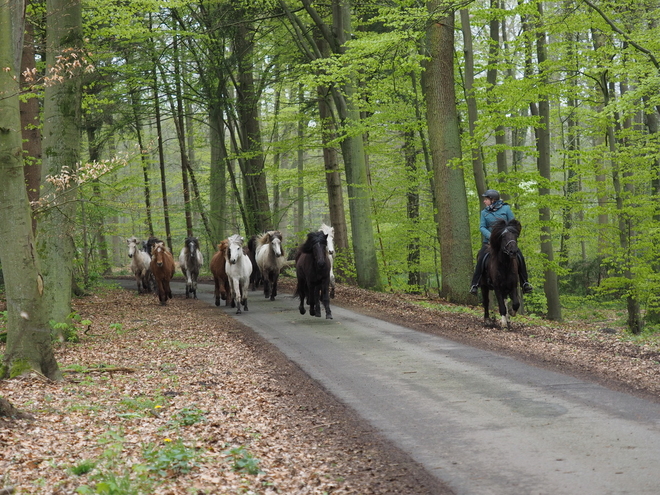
[185, 399]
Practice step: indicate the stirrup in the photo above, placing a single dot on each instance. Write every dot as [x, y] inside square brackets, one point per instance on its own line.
[527, 288]
[474, 289]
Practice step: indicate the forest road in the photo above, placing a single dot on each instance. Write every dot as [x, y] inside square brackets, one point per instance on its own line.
[481, 422]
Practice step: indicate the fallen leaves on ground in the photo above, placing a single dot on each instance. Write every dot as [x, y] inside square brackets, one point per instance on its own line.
[182, 399]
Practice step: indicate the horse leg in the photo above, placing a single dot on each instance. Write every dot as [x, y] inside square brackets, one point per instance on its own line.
[216, 292]
[515, 301]
[325, 297]
[485, 296]
[236, 295]
[273, 290]
[244, 293]
[266, 275]
[501, 302]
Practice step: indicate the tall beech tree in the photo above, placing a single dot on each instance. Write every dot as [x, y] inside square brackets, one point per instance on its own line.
[444, 137]
[28, 332]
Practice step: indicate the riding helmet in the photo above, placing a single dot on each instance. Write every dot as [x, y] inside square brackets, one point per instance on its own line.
[492, 194]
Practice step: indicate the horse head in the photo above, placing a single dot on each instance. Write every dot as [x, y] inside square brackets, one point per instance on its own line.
[276, 242]
[132, 246]
[330, 232]
[192, 243]
[504, 237]
[158, 250]
[235, 250]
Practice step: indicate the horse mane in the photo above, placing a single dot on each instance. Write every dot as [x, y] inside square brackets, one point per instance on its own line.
[266, 237]
[222, 247]
[318, 237]
[236, 238]
[327, 229]
[500, 226]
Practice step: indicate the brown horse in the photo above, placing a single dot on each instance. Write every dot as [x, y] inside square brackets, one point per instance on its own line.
[162, 266]
[220, 274]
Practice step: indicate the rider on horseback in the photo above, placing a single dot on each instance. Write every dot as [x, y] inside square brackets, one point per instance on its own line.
[496, 209]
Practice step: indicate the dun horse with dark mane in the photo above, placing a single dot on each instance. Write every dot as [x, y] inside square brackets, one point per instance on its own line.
[501, 269]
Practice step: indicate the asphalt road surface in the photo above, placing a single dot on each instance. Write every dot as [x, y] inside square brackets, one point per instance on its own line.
[481, 422]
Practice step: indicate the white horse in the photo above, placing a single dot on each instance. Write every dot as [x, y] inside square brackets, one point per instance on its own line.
[270, 260]
[140, 262]
[330, 232]
[238, 267]
[190, 261]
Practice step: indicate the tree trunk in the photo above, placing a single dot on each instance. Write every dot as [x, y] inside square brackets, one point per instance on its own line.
[28, 332]
[442, 117]
[477, 163]
[218, 174]
[551, 284]
[254, 175]
[61, 147]
[30, 123]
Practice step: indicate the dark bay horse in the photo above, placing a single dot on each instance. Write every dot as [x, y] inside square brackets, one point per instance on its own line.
[501, 269]
[313, 273]
[162, 266]
[220, 274]
[190, 261]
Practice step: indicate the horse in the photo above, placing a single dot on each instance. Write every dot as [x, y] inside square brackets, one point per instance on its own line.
[190, 261]
[162, 266]
[330, 232]
[255, 278]
[220, 274]
[239, 268]
[501, 269]
[270, 260]
[313, 274]
[139, 265]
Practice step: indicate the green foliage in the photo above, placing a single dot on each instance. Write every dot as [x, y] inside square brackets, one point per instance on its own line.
[83, 467]
[243, 461]
[170, 458]
[188, 416]
[69, 331]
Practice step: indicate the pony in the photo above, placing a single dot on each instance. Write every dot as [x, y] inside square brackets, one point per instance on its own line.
[313, 274]
[239, 268]
[255, 279]
[140, 262]
[220, 274]
[190, 261]
[270, 260]
[501, 269]
[162, 266]
[330, 232]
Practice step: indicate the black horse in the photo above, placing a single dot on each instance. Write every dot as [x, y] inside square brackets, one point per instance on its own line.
[313, 273]
[501, 269]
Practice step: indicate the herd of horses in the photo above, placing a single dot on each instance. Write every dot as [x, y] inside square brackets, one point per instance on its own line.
[238, 266]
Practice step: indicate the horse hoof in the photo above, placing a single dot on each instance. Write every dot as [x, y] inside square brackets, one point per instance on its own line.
[302, 311]
[217, 302]
[318, 314]
[272, 298]
[328, 317]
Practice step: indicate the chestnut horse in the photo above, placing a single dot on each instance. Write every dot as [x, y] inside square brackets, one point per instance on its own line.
[220, 274]
[162, 266]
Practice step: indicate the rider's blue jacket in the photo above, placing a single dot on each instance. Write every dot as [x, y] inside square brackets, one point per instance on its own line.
[491, 214]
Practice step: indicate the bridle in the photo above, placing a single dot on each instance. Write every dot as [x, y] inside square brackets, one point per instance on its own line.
[505, 247]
